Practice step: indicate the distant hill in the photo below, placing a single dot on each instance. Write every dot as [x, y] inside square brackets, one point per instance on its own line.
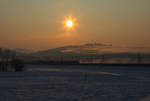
[25, 51]
[85, 51]
[91, 49]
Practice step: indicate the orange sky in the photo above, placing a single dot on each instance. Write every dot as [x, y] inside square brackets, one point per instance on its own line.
[37, 24]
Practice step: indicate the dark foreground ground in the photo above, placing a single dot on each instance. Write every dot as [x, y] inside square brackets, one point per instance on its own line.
[76, 83]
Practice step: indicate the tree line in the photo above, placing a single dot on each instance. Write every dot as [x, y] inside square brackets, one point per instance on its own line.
[9, 61]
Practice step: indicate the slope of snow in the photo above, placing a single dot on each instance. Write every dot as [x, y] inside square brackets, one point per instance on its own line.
[76, 83]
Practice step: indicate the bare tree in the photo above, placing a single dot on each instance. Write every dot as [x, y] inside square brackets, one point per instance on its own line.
[18, 65]
[0, 59]
[139, 59]
[8, 60]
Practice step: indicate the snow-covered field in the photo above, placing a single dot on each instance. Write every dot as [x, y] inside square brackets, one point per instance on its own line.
[76, 83]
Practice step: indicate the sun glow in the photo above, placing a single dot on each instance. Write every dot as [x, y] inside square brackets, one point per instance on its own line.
[69, 23]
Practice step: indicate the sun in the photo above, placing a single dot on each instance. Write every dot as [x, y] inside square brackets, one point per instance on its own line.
[69, 23]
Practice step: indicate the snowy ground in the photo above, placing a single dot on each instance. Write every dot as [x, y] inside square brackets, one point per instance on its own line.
[76, 83]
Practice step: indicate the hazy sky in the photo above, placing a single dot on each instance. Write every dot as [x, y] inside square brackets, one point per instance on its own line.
[37, 24]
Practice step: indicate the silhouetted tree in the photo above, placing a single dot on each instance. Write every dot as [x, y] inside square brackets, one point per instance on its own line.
[3, 54]
[103, 59]
[7, 57]
[13, 55]
[139, 58]
[0, 59]
[18, 65]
